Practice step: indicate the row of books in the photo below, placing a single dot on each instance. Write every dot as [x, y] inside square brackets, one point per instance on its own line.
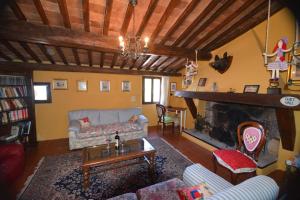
[12, 104]
[14, 116]
[12, 80]
[15, 91]
[19, 130]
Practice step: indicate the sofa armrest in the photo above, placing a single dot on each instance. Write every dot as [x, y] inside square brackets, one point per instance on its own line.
[258, 188]
[142, 120]
[74, 126]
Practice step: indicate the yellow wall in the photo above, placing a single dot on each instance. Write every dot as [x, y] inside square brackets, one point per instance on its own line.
[52, 120]
[248, 68]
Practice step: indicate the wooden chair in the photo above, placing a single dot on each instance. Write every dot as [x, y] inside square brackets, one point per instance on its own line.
[251, 140]
[163, 118]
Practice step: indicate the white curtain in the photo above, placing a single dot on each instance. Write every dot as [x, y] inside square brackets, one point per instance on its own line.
[164, 91]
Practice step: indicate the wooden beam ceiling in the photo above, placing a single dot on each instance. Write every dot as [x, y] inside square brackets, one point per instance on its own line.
[127, 19]
[16, 10]
[61, 55]
[64, 13]
[13, 50]
[41, 11]
[30, 52]
[151, 7]
[102, 59]
[90, 57]
[46, 53]
[192, 5]
[114, 60]
[108, 8]
[76, 57]
[86, 14]
[40, 34]
[72, 68]
[4, 56]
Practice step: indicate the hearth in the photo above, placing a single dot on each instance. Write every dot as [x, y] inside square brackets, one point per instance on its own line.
[220, 123]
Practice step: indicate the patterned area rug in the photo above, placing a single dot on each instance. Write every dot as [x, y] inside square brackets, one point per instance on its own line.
[60, 177]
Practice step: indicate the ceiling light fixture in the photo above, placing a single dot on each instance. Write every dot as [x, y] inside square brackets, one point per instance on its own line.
[131, 45]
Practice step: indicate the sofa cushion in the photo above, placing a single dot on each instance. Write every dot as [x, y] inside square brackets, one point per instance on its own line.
[109, 117]
[84, 122]
[235, 161]
[163, 190]
[125, 114]
[93, 115]
[123, 127]
[200, 191]
[91, 131]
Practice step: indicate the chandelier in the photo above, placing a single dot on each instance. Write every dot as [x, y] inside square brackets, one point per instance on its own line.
[131, 46]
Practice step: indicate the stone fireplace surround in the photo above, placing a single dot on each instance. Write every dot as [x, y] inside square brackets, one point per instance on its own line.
[223, 119]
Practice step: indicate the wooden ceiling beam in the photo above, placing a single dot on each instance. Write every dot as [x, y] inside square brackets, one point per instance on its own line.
[124, 62]
[127, 19]
[13, 50]
[196, 21]
[102, 59]
[86, 14]
[108, 8]
[4, 56]
[41, 11]
[189, 9]
[16, 10]
[154, 59]
[230, 34]
[148, 14]
[176, 66]
[164, 18]
[90, 57]
[133, 63]
[145, 58]
[30, 52]
[221, 25]
[62, 4]
[4, 65]
[55, 36]
[76, 56]
[114, 60]
[61, 55]
[207, 20]
[45, 52]
[161, 69]
[154, 67]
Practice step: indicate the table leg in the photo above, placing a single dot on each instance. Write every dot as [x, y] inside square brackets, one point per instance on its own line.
[151, 158]
[86, 177]
[181, 113]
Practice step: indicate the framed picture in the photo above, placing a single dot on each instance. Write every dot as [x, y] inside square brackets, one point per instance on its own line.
[82, 86]
[251, 88]
[126, 86]
[173, 87]
[104, 86]
[202, 82]
[60, 84]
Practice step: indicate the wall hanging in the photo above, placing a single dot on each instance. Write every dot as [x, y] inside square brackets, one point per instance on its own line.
[191, 70]
[221, 64]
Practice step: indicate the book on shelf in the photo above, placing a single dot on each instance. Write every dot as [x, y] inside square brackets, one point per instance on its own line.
[12, 104]
[13, 91]
[17, 115]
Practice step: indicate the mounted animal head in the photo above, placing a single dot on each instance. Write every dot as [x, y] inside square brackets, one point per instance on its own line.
[221, 64]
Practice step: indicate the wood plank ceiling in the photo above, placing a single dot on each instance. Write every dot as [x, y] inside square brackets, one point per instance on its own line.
[82, 35]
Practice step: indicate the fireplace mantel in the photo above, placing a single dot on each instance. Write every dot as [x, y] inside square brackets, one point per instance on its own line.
[285, 114]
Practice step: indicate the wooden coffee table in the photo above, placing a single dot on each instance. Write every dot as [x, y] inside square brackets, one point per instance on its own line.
[132, 149]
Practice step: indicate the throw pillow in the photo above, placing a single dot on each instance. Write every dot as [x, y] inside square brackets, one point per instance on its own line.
[198, 192]
[133, 118]
[84, 122]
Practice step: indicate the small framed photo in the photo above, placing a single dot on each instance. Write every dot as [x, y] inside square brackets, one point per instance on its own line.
[173, 87]
[126, 86]
[104, 86]
[202, 82]
[82, 86]
[251, 88]
[60, 84]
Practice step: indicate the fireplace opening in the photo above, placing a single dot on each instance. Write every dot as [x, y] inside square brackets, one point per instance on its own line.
[218, 127]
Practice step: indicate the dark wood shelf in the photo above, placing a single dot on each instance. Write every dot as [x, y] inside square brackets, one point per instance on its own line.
[10, 123]
[285, 114]
[22, 97]
[265, 100]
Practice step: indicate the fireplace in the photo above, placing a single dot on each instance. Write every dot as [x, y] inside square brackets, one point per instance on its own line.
[219, 124]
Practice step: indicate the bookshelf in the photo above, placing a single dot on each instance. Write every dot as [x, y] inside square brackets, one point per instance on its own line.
[17, 119]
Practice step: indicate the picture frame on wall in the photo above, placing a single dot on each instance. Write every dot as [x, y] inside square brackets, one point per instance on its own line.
[105, 86]
[173, 86]
[82, 85]
[251, 88]
[126, 86]
[202, 82]
[60, 84]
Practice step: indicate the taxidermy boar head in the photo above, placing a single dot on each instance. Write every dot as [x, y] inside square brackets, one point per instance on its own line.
[221, 64]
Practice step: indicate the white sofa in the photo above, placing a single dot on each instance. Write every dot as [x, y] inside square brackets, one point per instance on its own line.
[256, 188]
[105, 123]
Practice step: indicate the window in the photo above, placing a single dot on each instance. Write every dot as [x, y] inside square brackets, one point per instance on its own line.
[151, 90]
[42, 93]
